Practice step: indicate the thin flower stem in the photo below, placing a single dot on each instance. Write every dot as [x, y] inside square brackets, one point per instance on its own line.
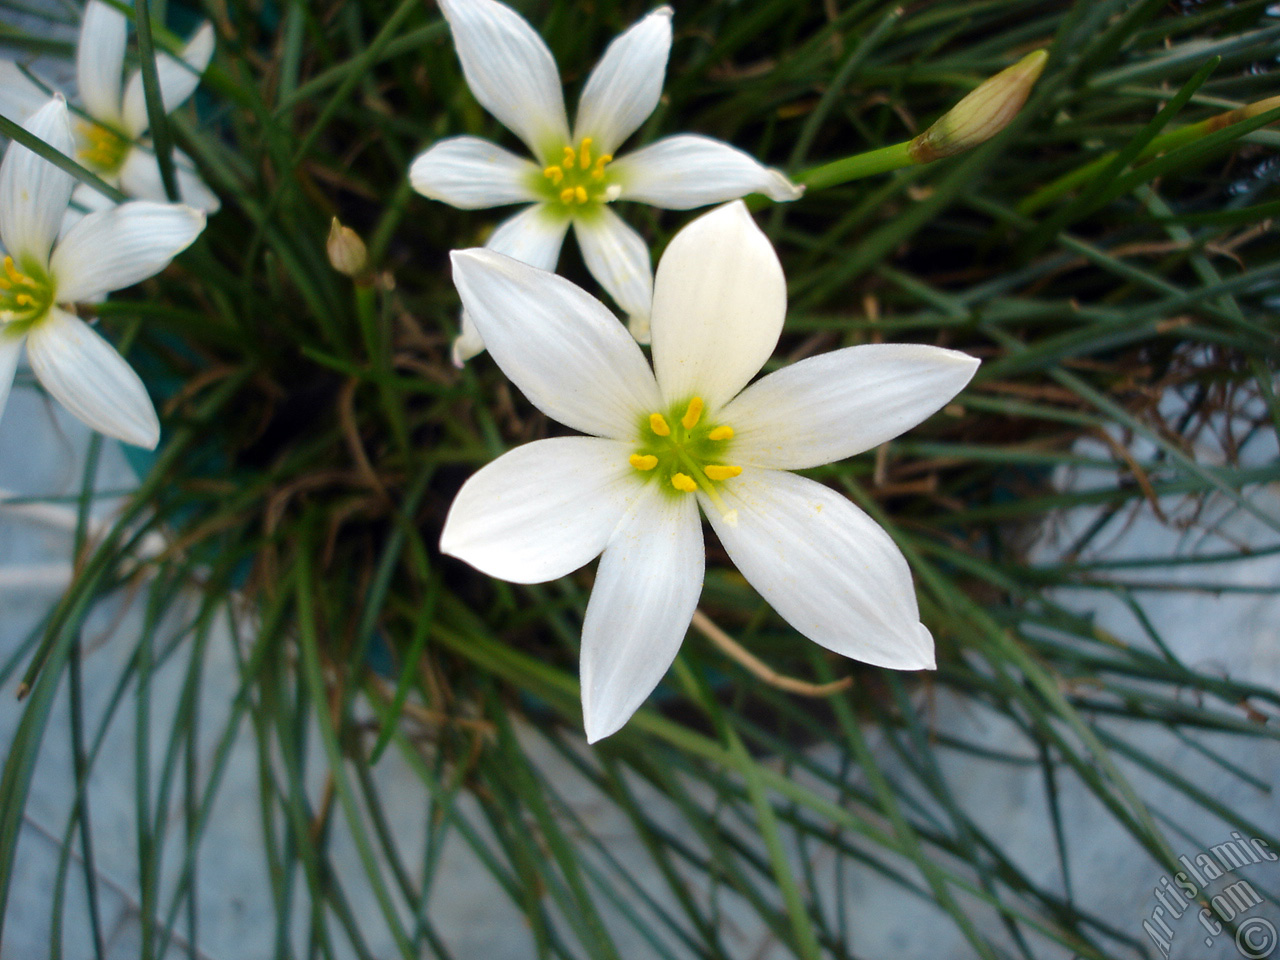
[893, 157]
[735, 651]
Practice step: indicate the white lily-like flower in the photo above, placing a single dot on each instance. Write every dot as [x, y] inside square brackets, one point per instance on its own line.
[575, 176]
[110, 138]
[41, 272]
[684, 434]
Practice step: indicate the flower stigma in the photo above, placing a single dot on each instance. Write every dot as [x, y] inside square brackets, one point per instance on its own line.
[685, 454]
[24, 298]
[101, 148]
[579, 178]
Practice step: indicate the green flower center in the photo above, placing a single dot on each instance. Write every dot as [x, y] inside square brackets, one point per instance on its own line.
[684, 454]
[579, 179]
[101, 149]
[24, 297]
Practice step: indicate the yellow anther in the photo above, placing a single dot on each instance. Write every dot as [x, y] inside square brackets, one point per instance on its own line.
[580, 193]
[24, 300]
[12, 271]
[643, 461]
[683, 482]
[693, 414]
[570, 158]
[584, 155]
[554, 174]
[598, 172]
[567, 195]
[717, 472]
[101, 146]
[658, 424]
[721, 433]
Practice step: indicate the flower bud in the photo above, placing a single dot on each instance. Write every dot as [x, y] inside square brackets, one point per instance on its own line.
[982, 114]
[347, 253]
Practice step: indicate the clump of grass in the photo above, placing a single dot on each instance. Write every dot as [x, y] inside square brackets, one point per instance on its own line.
[1111, 249]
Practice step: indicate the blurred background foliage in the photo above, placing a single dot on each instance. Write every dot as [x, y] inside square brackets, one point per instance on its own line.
[315, 434]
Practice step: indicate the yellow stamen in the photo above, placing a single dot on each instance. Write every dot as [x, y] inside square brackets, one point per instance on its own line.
[658, 424]
[683, 482]
[721, 433]
[717, 472]
[643, 461]
[12, 271]
[580, 193]
[570, 158]
[584, 155]
[554, 174]
[598, 172]
[693, 414]
[567, 194]
[24, 300]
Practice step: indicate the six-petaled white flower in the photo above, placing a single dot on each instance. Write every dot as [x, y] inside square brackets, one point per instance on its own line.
[512, 74]
[684, 434]
[109, 138]
[104, 251]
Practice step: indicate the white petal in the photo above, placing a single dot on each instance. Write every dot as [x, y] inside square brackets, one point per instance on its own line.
[542, 510]
[646, 590]
[625, 86]
[178, 80]
[832, 406]
[84, 199]
[100, 60]
[10, 351]
[719, 299]
[86, 375]
[466, 344]
[618, 258]
[510, 71]
[827, 568]
[193, 191]
[116, 248]
[533, 236]
[20, 96]
[686, 171]
[471, 174]
[562, 347]
[33, 192]
[140, 177]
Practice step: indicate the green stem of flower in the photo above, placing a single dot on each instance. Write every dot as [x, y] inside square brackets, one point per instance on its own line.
[893, 157]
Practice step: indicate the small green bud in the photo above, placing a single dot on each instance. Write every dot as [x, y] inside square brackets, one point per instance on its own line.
[982, 114]
[347, 253]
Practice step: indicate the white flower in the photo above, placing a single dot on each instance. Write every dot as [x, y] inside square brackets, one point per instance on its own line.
[109, 140]
[106, 250]
[512, 74]
[684, 427]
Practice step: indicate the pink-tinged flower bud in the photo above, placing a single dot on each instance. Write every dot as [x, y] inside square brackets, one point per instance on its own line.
[347, 253]
[982, 114]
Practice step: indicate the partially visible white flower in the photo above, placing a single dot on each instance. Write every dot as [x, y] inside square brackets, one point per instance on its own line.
[686, 434]
[110, 142]
[42, 274]
[575, 177]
